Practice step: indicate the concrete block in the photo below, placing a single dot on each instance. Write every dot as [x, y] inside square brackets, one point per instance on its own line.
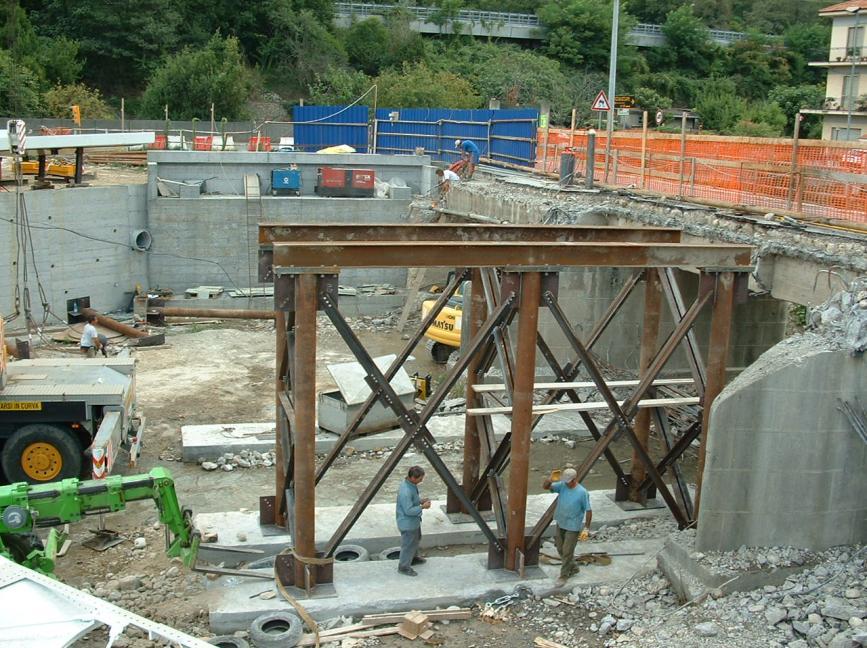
[690, 579]
[375, 586]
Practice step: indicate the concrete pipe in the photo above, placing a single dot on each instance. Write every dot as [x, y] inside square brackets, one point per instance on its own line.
[140, 240]
[351, 553]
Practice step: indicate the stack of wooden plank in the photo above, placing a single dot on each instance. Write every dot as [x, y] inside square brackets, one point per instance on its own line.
[411, 625]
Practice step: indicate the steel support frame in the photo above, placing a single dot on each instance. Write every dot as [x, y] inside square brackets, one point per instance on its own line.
[295, 474]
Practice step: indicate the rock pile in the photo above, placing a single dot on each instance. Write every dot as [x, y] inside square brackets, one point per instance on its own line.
[244, 459]
[844, 317]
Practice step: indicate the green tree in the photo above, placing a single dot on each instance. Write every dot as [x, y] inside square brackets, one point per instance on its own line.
[121, 41]
[792, 99]
[650, 100]
[756, 65]
[805, 43]
[19, 88]
[367, 45]
[189, 82]
[60, 99]
[653, 11]
[719, 105]
[578, 32]
[338, 85]
[688, 44]
[417, 85]
[298, 46]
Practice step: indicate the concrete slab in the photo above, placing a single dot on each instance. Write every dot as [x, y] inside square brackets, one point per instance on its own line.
[376, 531]
[207, 442]
[375, 586]
[690, 579]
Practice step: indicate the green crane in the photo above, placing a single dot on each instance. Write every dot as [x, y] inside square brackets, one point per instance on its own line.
[25, 508]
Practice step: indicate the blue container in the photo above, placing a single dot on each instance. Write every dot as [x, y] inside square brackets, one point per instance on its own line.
[285, 182]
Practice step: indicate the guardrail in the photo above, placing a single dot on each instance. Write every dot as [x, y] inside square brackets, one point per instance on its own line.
[503, 18]
[467, 15]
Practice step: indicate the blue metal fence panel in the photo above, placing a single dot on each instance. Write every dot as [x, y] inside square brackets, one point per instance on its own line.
[317, 127]
[504, 135]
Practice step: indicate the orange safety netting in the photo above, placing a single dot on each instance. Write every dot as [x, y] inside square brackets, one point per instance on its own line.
[824, 179]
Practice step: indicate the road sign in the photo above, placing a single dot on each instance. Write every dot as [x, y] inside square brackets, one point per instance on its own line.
[658, 117]
[623, 112]
[624, 101]
[601, 102]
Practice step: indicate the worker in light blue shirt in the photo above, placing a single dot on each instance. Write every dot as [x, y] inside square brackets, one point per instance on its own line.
[408, 514]
[470, 154]
[573, 515]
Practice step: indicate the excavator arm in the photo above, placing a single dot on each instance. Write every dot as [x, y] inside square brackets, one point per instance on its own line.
[25, 508]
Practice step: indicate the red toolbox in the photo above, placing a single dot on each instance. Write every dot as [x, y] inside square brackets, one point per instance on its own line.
[345, 183]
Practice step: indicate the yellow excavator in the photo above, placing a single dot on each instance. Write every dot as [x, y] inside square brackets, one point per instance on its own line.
[444, 335]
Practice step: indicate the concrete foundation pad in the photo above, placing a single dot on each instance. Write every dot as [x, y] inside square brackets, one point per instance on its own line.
[690, 578]
[375, 586]
[207, 442]
[375, 529]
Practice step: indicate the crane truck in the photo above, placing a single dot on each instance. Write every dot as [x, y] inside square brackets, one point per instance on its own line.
[24, 508]
[66, 417]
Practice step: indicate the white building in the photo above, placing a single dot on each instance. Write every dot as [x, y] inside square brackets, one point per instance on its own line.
[845, 110]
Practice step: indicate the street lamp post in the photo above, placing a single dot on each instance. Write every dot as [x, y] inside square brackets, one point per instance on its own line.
[856, 47]
[612, 82]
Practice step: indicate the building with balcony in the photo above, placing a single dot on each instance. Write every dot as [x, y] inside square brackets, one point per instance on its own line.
[845, 110]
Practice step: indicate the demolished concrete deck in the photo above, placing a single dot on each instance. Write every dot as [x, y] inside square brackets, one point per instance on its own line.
[375, 586]
[375, 529]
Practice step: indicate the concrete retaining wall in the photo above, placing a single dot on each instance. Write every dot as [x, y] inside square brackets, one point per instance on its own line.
[224, 230]
[784, 466]
[81, 247]
[223, 172]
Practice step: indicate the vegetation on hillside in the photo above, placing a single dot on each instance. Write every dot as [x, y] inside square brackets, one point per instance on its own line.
[190, 54]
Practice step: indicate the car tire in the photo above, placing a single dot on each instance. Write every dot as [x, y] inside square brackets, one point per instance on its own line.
[276, 629]
[41, 453]
[351, 553]
[392, 553]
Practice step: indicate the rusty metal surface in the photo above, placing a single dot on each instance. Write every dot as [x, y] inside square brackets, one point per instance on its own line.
[522, 413]
[318, 256]
[717, 355]
[474, 315]
[223, 313]
[304, 434]
[649, 342]
[434, 232]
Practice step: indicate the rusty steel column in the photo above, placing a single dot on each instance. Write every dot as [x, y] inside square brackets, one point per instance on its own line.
[304, 391]
[649, 344]
[522, 415]
[280, 387]
[717, 356]
[473, 315]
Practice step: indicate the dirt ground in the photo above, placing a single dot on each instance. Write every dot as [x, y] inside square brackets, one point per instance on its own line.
[224, 374]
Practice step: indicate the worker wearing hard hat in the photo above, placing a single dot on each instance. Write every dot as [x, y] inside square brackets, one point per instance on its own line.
[573, 515]
[470, 154]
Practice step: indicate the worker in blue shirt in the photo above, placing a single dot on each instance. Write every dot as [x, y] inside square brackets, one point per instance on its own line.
[573, 515]
[470, 154]
[408, 514]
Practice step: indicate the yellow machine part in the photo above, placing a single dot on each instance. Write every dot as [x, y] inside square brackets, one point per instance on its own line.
[52, 168]
[446, 328]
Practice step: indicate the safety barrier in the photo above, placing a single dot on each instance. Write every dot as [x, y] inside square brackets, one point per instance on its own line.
[815, 178]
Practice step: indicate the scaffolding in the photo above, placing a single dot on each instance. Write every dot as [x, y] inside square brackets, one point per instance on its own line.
[514, 271]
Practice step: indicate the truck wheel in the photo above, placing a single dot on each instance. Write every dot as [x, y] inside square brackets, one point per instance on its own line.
[41, 453]
[440, 352]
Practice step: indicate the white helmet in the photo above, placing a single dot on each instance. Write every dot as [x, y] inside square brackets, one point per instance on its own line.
[457, 143]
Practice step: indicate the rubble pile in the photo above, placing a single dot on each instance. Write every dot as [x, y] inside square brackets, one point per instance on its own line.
[244, 459]
[844, 317]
